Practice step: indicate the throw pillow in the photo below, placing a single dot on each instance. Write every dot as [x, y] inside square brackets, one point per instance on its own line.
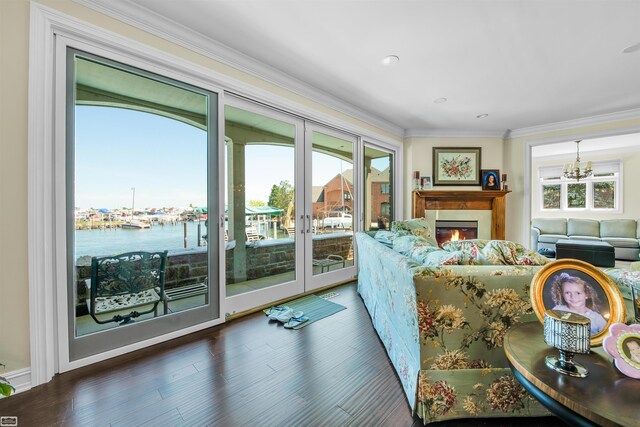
[417, 227]
[437, 258]
[404, 244]
[385, 237]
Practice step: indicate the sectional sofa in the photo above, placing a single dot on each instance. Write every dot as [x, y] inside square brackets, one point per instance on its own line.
[443, 324]
[622, 234]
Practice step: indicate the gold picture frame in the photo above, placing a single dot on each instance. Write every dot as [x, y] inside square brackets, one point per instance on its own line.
[568, 283]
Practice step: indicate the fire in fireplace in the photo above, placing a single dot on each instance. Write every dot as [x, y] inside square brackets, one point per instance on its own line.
[448, 230]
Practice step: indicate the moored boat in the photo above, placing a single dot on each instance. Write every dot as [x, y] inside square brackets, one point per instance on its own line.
[136, 224]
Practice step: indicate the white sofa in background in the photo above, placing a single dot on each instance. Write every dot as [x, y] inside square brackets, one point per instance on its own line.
[622, 234]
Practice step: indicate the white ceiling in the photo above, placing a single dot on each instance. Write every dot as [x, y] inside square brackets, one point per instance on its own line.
[525, 63]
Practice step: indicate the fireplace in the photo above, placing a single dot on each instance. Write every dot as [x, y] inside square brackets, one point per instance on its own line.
[491, 201]
[447, 230]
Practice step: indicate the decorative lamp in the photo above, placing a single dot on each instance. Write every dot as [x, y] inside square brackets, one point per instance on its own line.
[570, 333]
[574, 171]
[416, 180]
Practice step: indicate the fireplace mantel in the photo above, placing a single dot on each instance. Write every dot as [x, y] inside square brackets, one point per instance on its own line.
[493, 200]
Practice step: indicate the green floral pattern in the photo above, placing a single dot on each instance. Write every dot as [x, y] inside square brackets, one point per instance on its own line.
[623, 280]
[443, 328]
[417, 227]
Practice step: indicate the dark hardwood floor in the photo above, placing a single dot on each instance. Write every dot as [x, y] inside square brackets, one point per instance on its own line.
[249, 371]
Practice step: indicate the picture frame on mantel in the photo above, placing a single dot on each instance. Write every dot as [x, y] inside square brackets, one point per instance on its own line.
[490, 179]
[456, 165]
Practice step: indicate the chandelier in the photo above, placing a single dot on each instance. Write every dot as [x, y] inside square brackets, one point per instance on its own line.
[574, 171]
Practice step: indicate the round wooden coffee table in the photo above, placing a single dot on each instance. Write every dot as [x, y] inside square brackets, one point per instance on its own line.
[604, 398]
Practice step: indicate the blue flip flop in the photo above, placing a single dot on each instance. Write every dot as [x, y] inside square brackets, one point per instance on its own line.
[278, 310]
[295, 321]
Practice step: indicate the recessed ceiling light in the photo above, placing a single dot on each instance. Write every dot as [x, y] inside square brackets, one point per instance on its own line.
[482, 116]
[390, 60]
[632, 48]
[440, 100]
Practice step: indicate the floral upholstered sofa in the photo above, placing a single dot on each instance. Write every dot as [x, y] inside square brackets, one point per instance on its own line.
[443, 325]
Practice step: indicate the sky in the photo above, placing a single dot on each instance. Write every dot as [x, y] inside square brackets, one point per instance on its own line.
[165, 161]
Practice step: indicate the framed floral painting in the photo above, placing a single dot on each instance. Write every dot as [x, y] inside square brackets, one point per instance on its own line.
[456, 166]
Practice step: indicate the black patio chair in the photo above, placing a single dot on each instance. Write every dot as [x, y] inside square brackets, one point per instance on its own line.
[126, 281]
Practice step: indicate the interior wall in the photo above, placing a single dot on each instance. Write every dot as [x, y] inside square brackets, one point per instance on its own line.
[14, 50]
[419, 157]
[14, 292]
[630, 176]
[517, 226]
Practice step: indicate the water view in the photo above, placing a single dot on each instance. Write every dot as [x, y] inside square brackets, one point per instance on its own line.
[110, 241]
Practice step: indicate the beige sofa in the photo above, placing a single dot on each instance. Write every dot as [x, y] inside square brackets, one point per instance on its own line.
[622, 234]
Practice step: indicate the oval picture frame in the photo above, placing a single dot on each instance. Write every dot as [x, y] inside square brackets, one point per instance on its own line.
[604, 300]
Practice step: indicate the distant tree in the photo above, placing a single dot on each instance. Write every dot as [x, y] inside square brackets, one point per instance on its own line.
[256, 203]
[281, 197]
[577, 195]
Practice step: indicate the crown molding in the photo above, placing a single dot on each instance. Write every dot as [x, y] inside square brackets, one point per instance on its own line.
[160, 26]
[573, 124]
[452, 133]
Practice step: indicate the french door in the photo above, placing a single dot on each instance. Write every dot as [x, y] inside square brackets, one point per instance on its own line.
[263, 202]
[331, 206]
[290, 205]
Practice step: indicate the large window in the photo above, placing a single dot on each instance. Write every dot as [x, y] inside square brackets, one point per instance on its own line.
[378, 194]
[599, 192]
[139, 186]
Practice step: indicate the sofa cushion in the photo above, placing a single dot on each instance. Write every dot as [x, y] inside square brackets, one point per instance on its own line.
[624, 279]
[470, 245]
[621, 242]
[417, 227]
[551, 238]
[421, 253]
[618, 228]
[583, 227]
[494, 252]
[592, 238]
[385, 237]
[550, 225]
[405, 244]
[440, 257]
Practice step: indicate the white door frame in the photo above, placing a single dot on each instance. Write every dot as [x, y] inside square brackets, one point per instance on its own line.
[317, 281]
[50, 31]
[249, 300]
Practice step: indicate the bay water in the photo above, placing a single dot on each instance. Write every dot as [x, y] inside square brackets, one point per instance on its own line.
[111, 241]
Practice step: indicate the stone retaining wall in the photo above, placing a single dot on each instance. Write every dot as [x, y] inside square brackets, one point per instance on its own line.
[264, 258]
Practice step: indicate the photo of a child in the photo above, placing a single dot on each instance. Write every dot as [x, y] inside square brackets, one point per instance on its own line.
[571, 293]
[631, 348]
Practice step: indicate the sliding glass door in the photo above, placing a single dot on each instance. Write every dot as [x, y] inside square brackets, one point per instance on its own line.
[331, 206]
[141, 192]
[264, 215]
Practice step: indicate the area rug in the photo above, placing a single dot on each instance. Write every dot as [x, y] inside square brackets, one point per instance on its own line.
[314, 307]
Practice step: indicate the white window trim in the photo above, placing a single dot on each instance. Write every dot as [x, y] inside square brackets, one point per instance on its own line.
[398, 167]
[564, 186]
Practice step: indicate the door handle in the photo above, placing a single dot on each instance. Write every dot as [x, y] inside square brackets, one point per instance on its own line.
[308, 224]
[302, 223]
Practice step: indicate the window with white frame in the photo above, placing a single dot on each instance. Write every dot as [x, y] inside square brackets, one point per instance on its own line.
[602, 191]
